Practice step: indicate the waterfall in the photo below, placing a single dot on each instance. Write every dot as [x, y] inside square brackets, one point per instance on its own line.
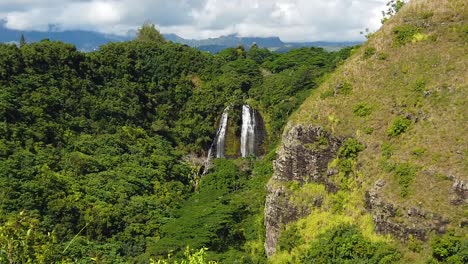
[221, 134]
[248, 131]
[218, 142]
[220, 138]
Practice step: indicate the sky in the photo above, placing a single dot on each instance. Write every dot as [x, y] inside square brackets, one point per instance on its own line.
[291, 20]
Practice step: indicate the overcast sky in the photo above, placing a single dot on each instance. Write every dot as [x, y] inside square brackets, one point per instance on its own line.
[291, 20]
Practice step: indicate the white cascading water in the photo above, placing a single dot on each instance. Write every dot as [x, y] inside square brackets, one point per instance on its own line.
[221, 135]
[248, 131]
[218, 141]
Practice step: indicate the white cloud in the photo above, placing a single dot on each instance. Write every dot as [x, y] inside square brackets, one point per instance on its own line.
[292, 20]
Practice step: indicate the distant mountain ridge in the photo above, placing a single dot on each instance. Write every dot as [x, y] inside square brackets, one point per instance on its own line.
[90, 40]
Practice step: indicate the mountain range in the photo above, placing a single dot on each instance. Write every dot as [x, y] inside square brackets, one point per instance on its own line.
[90, 40]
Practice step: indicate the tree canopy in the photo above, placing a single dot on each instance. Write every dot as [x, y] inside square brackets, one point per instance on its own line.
[148, 32]
[93, 147]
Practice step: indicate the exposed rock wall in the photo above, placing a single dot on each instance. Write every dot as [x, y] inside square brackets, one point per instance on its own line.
[460, 192]
[301, 160]
[298, 160]
[399, 221]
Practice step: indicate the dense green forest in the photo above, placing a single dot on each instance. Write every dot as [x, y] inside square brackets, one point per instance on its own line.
[100, 152]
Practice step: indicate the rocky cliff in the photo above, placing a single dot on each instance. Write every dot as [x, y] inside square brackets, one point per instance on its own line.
[302, 160]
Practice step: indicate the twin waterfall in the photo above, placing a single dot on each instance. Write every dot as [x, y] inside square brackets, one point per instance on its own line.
[248, 131]
[250, 138]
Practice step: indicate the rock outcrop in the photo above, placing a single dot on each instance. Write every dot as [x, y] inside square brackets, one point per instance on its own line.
[302, 159]
[460, 192]
[401, 222]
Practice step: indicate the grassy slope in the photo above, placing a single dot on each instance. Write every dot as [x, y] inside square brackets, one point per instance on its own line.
[425, 80]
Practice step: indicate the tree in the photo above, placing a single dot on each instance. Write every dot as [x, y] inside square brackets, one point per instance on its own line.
[148, 32]
[393, 7]
[22, 40]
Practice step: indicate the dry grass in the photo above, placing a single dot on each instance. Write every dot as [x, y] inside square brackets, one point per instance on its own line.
[425, 80]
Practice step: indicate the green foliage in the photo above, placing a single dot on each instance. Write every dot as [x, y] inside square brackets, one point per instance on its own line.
[208, 219]
[362, 109]
[350, 149]
[405, 174]
[296, 73]
[387, 150]
[346, 244]
[450, 248]
[190, 257]
[261, 56]
[346, 160]
[369, 52]
[400, 125]
[289, 238]
[320, 143]
[404, 34]
[414, 244]
[420, 85]
[419, 37]
[22, 41]
[382, 56]
[418, 152]
[148, 32]
[344, 88]
[327, 93]
[338, 202]
[369, 130]
[95, 146]
[22, 240]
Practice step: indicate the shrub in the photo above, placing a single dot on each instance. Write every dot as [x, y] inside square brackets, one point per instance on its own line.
[327, 93]
[404, 34]
[347, 155]
[450, 249]
[369, 52]
[420, 85]
[338, 201]
[418, 152]
[400, 125]
[350, 148]
[345, 88]
[405, 174]
[414, 244]
[382, 56]
[320, 143]
[345, 166]
[346, 244]
[387, 150]
[289, 238]
[427, 14]
[362, 109]
[368, 130]
[419, 37]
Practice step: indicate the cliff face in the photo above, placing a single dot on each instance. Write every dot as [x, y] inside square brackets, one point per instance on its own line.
[401, 221]
[299, 160]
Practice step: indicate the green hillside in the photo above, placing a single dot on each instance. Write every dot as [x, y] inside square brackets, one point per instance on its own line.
[403, 97]
[101, 153]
